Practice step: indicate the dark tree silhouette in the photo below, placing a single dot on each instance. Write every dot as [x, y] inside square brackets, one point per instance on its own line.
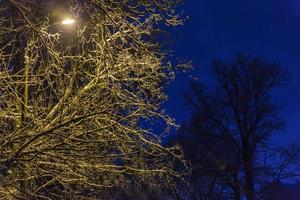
[235, 122]
[279, 164]
[215, 160]
[280, 191]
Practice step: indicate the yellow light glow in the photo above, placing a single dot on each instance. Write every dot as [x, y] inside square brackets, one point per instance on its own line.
[68, 21]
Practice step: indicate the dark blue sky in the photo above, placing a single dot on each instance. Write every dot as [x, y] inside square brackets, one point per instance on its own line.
[219, 29]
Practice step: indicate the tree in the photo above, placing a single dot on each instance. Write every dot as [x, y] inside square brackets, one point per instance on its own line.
[277, 167]
[281, 163]
[237, 120]
[278, 191]
[216, 165]
[75, 101]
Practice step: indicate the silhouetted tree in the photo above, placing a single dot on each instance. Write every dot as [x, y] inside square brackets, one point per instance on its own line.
[278, 166]
[281, 163]
[280, 191]
[215, 160]
[73, 100]
[234, 122]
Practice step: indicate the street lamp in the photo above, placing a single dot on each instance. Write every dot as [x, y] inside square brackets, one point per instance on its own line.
[68, 21]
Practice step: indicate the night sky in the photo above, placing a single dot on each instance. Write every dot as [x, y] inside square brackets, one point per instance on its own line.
[219, 29]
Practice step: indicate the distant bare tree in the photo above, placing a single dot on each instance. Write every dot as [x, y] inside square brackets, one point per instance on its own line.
[235, 121]
[75, 101]
[279, 164]
[280, 190]
[216, 164]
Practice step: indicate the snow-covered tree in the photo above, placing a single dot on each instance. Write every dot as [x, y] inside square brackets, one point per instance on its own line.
[75, 99]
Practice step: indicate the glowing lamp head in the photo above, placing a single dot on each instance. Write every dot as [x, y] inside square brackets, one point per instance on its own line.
[68, 21]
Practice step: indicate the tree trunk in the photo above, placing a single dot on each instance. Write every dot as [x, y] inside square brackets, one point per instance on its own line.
[236, 187]
[248, 170]
[237, 193]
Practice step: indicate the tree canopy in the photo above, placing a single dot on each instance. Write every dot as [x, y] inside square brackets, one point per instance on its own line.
[74, 100]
